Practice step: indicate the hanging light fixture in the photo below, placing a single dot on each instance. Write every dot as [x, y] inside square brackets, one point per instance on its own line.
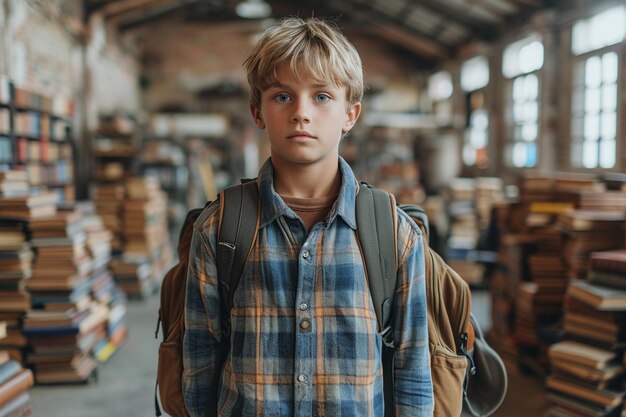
[253, 9]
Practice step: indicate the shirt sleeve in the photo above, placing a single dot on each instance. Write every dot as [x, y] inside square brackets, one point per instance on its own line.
[203, 336]
[412, 381]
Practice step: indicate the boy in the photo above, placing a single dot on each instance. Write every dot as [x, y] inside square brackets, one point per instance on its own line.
[303, 337]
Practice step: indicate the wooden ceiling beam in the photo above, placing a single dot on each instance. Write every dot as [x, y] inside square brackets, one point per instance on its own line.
[154, 14]
[487, 9]
[365, 13]
[407, 40]
[128, 6]
[477, 28]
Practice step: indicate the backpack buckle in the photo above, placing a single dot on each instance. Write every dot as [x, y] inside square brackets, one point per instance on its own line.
[387, 336]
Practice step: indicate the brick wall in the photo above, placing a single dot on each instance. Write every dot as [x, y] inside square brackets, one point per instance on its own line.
[41, 49]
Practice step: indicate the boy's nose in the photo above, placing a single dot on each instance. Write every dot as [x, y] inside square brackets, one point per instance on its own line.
[300, 114]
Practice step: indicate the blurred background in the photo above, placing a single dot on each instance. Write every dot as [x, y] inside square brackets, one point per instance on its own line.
[504, 119]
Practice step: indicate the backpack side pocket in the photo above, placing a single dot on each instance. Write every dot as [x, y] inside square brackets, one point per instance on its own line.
[448, 373]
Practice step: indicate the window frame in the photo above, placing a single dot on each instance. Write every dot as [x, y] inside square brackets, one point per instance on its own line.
[620, 145]
[506, 112]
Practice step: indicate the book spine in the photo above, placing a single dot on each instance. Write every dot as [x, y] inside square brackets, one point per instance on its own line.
[15, 386]
[8, 370]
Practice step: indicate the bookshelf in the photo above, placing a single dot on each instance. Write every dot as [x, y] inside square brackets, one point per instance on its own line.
[36, 137]
[6, 125]
[167, 162]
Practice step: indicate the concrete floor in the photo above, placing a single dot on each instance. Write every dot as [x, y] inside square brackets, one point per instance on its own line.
[125, 386]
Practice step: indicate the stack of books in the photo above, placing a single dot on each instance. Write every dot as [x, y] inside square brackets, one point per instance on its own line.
[103, 288]
[64, 324]
[488, 192]
[608, 268]
[587, 375]
[578, 182]
[135, 278]
[108, 199]
[584, 381]
[463, 230]
[146, 238]
[116, 327]
[589, 231]
[510, 272]
[14, 383]
[62, 264]
[31, 206]
[595, 200]
[16, 257]
[14, 183]
[62, 343]
[538, 305]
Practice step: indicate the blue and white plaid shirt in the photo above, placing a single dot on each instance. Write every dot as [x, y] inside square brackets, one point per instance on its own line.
[304, 338]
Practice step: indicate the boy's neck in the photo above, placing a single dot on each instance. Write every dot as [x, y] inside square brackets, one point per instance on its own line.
[307, 181]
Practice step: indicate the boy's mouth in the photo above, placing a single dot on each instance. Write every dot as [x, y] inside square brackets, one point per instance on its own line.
[300, 135]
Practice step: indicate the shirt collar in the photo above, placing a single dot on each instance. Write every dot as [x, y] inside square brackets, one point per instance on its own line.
[272, 206]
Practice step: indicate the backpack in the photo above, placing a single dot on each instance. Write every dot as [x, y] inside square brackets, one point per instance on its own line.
[451, 332]
[172, 321]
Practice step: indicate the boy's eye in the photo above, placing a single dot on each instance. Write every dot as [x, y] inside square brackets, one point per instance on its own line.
[322, 97]
[281, 98]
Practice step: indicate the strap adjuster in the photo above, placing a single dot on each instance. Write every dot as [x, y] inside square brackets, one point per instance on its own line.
[387, 336]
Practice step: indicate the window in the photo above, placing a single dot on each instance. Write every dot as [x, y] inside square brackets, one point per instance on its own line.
[604, 29]
[520, 64]
[474, 77]
[440, 90]
[474, 73]
[594, 110]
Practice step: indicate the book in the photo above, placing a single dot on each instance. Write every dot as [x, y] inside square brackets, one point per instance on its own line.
[581, 354]
[596, 323]
[568, 406]
[594, 200]
[8, 370]
[15, 386]
[603, 397]
[612, 279]
[612, 260]
[609, 372]
[19, 406]
[79, 373]
[4, 356]
[600, 297]
[583, 220]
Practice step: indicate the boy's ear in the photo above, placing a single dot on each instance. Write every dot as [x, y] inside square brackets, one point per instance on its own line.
[256, 115]
[351, 117]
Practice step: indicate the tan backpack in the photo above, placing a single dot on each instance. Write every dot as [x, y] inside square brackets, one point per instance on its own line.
[451, 333]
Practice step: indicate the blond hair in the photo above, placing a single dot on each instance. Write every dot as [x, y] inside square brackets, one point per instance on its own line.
[310, 44]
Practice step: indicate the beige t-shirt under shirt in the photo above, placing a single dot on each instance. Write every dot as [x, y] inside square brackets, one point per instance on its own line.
[310, 210]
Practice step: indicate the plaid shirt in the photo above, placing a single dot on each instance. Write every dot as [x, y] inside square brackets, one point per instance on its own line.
[304, 338]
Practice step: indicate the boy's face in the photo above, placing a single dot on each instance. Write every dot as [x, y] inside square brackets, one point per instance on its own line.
[304, 119]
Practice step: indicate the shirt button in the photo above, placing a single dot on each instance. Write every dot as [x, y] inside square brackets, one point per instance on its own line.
[305, 325]
[304, 306]
[302, 378]
[305, 254]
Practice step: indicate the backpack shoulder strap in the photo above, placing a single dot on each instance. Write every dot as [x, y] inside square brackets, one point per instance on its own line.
[240, 213]
[376, 220]
[376, 228]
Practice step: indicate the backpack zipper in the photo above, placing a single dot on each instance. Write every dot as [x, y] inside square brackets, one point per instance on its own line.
[463, 339]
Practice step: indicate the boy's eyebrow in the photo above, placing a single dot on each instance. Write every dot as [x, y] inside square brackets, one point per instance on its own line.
[278, 84]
